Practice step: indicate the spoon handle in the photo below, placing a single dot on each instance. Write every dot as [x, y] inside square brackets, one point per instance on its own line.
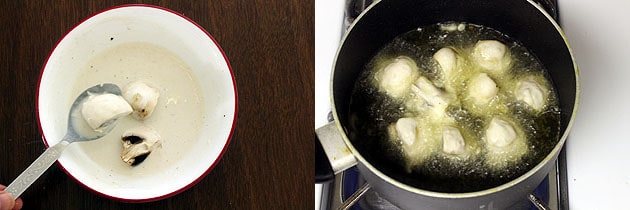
[36, 169]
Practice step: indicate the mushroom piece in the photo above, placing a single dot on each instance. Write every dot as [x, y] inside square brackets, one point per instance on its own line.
[406, 129]
[436, 99]
[492, 56]
[500, 133]
[447, 60]
[142, 97]
[100, 110]
[395, 78]
[505, 143]
[452, 141]
[482, 88]
[532, 93]
[138, 143]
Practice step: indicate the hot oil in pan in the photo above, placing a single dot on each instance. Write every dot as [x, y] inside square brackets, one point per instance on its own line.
[372, 112]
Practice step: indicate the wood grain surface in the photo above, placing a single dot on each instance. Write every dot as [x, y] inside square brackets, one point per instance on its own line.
[270, 45]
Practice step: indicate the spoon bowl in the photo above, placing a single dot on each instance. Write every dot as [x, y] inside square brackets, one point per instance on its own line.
[78, 130]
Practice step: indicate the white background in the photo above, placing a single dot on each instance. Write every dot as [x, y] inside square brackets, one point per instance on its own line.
[328, 24]
[598, 152]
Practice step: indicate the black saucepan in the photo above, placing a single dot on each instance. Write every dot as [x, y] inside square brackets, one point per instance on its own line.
[522, 20]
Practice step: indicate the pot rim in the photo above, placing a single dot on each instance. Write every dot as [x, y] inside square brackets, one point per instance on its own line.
[550, 157]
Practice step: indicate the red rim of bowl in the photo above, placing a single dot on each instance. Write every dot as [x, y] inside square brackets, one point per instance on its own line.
[229, 137]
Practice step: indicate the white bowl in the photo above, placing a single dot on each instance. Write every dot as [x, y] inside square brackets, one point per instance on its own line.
[170, 52]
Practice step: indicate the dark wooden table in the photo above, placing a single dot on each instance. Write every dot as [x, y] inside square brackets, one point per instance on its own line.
[270, 44]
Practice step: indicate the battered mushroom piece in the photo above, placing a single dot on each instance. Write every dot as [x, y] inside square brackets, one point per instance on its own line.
[395, 78]
[532, 93]
[452, 141]
[492, 55]
[447, 59]
[482, 88]
[500, 133]
[100, 110]
[138, 143]
[406, 129]
[505, 143]
[142, 97]
[436, 99]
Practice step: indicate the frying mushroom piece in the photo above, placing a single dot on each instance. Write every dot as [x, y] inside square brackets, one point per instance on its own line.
[532, 93]
[406, 129]
[138, 143]
[452, 141]
[500, 133]
[492, 56]
[447, 60]
[142, 97]
[395, 78]
[482, 88]
[436, 99]
[99, 110]
[505, 143]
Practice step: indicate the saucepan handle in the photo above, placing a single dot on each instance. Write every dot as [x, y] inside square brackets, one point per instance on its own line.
[332, 155]
[323, 170]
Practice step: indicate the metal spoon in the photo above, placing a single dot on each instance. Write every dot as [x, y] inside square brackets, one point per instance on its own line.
[78, 130]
